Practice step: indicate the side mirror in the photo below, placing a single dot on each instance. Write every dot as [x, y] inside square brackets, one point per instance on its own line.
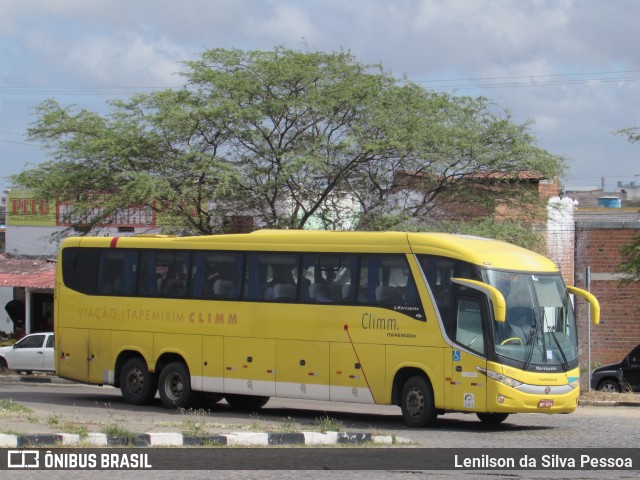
[499, 304]
[594, 305]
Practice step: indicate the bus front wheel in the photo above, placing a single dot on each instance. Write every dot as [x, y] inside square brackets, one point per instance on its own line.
[136, 383]
[246, 402]
[416, 402]
[174, 385]
[492, 418]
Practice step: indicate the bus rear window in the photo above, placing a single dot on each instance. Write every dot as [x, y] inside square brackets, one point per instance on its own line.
[80, 269]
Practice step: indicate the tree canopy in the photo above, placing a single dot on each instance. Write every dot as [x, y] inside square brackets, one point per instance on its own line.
[294, 140]
[630, 265]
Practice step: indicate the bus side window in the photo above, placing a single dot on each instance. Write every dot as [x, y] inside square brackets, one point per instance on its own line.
[272, 277]
[117, 273]
[386, 280]
[217, 275]
[175, 283]
[147, 281]
[328, 278]
[80, 269]
[439, 271]
[469, 324]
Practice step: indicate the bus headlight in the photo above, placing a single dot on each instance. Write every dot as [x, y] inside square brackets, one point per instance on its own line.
[510, 382]
[574, 382]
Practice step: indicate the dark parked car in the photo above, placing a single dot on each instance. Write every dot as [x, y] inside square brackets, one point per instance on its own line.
[619, 377]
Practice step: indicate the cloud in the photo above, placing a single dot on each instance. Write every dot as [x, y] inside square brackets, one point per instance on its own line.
[286, 24]
[127, 60]
[537, 58]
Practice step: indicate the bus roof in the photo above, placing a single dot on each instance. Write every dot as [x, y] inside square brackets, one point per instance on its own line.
[480, 251]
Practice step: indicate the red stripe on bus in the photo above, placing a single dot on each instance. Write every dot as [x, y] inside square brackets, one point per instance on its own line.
[114, 240]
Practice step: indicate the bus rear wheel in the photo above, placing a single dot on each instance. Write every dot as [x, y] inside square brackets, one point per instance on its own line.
[416, 402]
[492, 418]
[246, 402]
[137, 385]
[174, 385]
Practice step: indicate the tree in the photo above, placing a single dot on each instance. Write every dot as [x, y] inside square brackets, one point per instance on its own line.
[630, 266]
[632, 134]
[630, 253]
[290, 138]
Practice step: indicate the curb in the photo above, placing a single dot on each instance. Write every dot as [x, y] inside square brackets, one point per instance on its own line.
[253, 439]
[608, 403]
[34, 379]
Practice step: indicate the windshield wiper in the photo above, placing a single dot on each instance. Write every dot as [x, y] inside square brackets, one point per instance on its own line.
[531, 343]
[565, 363]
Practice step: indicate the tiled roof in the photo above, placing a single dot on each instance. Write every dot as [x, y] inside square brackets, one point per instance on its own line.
[29, 272]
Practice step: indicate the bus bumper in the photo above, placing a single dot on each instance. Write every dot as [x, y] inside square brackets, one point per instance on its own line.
[505, 399]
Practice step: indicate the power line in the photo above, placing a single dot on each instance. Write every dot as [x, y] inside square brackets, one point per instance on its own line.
[535, 84]
[547, 80]
[19, 143]
[526, 76]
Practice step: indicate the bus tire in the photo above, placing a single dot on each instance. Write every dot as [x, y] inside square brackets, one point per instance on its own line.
[417, 404]
[136, 383]
[174, 385]
[246, 402]
[492, 418]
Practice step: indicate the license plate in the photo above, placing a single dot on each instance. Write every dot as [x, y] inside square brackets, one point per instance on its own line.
[545, 404]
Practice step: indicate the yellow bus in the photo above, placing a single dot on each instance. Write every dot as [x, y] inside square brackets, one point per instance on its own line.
[433, 323]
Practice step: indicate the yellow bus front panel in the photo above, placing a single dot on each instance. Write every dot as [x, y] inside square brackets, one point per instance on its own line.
[467, 385]
[532, 392]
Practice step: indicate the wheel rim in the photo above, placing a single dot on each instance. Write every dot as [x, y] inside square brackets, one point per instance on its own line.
[609, 388]
[135, 381]
[415, 402]
[173, 386]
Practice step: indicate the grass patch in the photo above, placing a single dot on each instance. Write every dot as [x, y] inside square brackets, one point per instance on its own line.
[289, 425]
[116, 431]
[7, 405]
[194, 422]
[328, 424]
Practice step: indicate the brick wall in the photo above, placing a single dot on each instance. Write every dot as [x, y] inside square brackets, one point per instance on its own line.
[598, 246]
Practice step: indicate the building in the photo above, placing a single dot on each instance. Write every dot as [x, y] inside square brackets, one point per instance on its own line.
[26, 287]
[599, 235]
[34, 229]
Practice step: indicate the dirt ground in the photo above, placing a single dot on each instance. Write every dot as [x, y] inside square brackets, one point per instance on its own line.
[610, 397]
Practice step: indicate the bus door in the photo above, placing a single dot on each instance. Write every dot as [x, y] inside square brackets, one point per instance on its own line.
[467, 385]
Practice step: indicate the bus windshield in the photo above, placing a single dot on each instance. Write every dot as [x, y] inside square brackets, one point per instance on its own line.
[540, 328]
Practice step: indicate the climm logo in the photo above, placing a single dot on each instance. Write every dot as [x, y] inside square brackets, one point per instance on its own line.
[371, 322]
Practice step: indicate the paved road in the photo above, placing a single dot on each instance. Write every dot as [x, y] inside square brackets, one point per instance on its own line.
[56, 407]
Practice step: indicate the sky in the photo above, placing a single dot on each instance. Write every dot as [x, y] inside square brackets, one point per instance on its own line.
[572, 67]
